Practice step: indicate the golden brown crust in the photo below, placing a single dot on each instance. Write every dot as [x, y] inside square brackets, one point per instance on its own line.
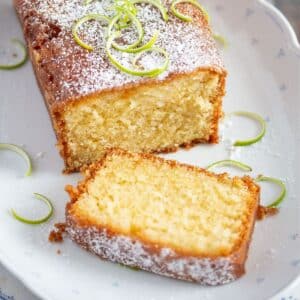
[238, 255]
[222, 269]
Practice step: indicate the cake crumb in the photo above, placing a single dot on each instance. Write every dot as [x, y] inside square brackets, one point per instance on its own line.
[264, 212]
[58, 251]
[56, 235]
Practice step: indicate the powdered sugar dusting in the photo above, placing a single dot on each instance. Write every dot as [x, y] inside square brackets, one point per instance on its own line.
[165, 261]
[76, 72]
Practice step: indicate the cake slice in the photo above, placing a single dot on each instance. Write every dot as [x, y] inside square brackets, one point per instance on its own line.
[94, 106]
[164, 217]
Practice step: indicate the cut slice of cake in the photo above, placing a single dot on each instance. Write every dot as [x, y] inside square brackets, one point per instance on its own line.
[165, 217]
[94, 106]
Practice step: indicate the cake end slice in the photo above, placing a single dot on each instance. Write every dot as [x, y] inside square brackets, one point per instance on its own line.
[165, 217]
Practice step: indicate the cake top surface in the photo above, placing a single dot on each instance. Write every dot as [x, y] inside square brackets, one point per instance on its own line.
[74, 72]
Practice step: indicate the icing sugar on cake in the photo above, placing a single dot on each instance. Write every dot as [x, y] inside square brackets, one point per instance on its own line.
[189, 45]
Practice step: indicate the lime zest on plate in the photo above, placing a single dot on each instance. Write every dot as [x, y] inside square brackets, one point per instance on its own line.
[21, 152]
[37, 221]
[231, 163]
[278, 182]
[21, 61]
[255, 117]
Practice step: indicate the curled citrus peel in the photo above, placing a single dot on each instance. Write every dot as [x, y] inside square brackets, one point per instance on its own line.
[136, 71]
[184, 17]
[21, 61]
[36, 221]
[255, 117]
[80, 22]
[277, 182]
[231, 163]
[157, 4]
[21, 152]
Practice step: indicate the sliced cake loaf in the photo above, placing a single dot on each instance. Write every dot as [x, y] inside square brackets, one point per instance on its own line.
[95, 106]
[161, 216]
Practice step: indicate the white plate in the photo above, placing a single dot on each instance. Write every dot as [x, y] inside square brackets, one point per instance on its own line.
[263, 60]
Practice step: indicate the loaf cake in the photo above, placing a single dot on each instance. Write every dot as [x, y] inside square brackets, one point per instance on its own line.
[94, 106]
[165, 217]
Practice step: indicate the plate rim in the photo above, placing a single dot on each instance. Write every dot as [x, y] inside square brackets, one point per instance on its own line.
[294, 43]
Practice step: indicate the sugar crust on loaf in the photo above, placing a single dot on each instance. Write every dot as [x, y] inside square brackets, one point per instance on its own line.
[164, 261]
[75, 72]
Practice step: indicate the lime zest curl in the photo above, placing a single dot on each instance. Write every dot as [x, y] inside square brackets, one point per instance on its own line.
[21, 152]
[139, 28]
[255, 117]
[146, 46]
[157, 4]
[184, 17]
[87, 2]
[278, 182]
[229, 162]
[81, 21]
[136, 72]
[22, 60]
[37, 221]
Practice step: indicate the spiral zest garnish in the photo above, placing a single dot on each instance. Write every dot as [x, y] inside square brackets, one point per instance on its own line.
[184, 17]
[229, 162]
[255, 117]
[21, 152]
[80, 22]
[157, 4]
[278, 182]
[36, 221]
[134, 20]
[136, 71]
[21, 61]
[87, 2]
[124, 17]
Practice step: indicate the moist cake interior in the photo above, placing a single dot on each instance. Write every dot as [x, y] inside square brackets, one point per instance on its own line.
[192, 211]
[149, 118]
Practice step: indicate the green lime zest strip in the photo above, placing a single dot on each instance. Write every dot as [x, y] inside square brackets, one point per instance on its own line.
[146, 46]
[253, 116]
[135, 21]
[153, 49]
[21, 152]
[87, 2]
[185, 17]
[81, 21]
[23, 59]
[229, 162]
[123, 7]
[278, 182]
[157, 4]
[136, 72]
[38, 221]
[219, 38]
